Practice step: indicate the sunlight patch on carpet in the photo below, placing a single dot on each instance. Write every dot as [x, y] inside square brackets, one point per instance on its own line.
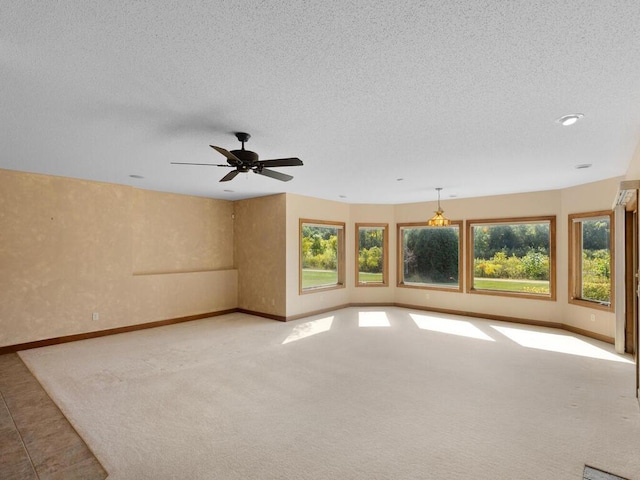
[446, 325]
[554, 342]
[591, 473]
[308, 329]
[373, 319]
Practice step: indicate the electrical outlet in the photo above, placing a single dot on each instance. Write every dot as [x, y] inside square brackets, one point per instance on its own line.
[593, 317]
[96, 316]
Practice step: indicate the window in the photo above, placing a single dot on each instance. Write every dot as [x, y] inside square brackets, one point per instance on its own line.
[321, 255]
[372, 254]
[514, 256]
[591, 259]
[429, 257]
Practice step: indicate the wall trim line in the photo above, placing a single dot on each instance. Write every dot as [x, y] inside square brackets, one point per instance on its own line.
[318, 312]
[110, 331]
[587, 333]
[271, 316]
[171, 321]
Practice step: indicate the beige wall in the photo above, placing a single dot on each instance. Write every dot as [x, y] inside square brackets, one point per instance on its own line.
[260, 254]
[180, 233]
[591, 197]
[298, 207]
[633, 172]
[501, 206]
[585, 198]
[364, 213]
[70, 247]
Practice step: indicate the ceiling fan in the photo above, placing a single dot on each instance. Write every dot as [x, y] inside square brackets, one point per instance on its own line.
[246, 160]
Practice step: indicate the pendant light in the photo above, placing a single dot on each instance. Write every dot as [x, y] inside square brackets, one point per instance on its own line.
[438, 219]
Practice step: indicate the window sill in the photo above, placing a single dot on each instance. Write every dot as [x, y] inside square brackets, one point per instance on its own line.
[321, 289]
[500, 293]
[592, 304]
[371, 284]
[456, 289]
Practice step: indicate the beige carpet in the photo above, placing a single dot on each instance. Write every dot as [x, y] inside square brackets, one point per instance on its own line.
[354, 394]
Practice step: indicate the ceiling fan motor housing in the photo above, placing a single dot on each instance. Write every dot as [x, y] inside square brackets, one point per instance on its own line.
[247, 157]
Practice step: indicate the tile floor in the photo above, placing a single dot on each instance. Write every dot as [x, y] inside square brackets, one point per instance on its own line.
[36, 440]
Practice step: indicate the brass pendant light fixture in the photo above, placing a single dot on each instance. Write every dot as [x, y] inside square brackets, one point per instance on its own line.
[439, 220]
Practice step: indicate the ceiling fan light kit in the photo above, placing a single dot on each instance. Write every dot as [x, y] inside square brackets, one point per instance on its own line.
[245, 161]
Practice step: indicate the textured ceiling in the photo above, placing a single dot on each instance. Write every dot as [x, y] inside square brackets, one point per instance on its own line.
[458, 94]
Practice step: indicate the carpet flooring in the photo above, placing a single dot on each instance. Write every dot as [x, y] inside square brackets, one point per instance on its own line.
[359, 393]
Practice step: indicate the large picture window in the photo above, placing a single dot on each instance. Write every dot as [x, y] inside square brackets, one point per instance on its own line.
[429, 257]
[372, 254]
[512, 257]
[321, 255]
[591, 259]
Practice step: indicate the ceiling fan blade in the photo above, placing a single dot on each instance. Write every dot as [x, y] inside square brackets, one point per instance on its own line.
[207, 164]
[233, 160]
[230, 176]
[282, 162]
[273, 174]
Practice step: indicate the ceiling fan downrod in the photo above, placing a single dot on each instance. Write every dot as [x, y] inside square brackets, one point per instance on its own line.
[242, 137]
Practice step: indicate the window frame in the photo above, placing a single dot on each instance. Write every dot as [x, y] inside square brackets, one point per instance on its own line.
[575, 257]
[551, 219]
[340, 255]
[400, 258]
[385, 254]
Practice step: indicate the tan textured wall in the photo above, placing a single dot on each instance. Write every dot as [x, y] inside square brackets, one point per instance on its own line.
[71, 247]
[260, 254]
[180, 233]
[67, 249]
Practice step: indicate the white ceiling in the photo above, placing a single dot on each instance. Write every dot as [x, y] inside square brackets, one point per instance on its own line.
[456, 94]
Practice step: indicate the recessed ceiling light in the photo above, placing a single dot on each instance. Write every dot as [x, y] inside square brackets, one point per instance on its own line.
[570, 119]
[453, 195]
[583, 165]
[342, 196]
[228, 191]
[399, 179]
[136, 176]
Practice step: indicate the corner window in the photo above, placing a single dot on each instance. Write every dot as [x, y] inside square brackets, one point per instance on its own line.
[321, 255]
[429, 257]
[591, 259]
[372, 254]
[512, 257]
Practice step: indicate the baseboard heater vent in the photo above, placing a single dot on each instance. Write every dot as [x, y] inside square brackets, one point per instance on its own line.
[591, 473]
